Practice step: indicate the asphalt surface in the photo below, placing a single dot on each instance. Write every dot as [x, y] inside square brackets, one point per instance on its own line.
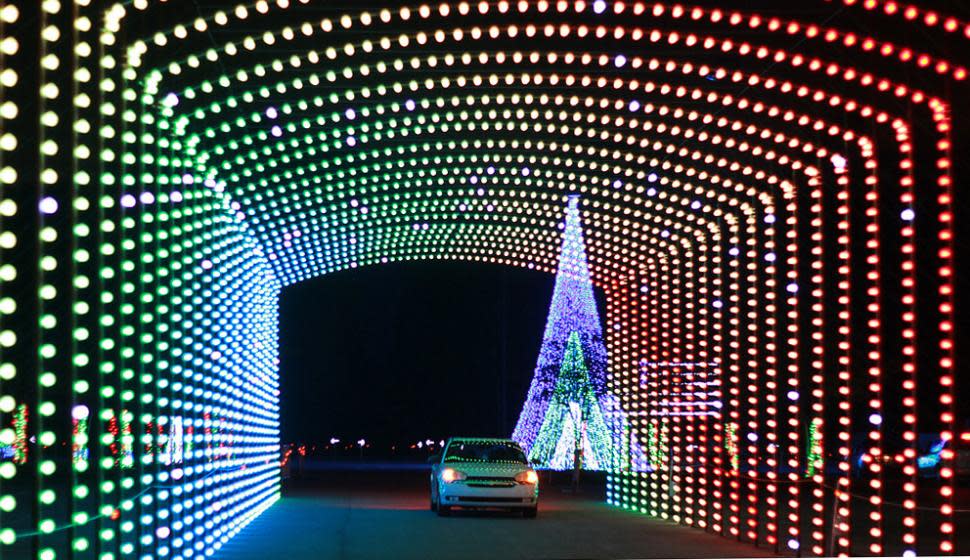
[383, 514]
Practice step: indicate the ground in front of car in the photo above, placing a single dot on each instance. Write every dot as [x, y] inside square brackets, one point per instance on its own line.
[365, 513]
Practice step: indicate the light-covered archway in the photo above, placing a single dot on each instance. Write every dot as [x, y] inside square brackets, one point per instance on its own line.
[749, 190]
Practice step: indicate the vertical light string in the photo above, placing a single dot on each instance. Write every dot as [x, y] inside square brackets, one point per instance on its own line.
[85, 308]
[732, 461]
[55, 374]
[792, 386]
[816, 419]
[110, 522]
[18, 236]
[654, 437]
[874, 449]
[750, 430]
[908, 348]
[843, 498]
[770, 321]
[684, 423]
[708, 416]
[669, 456]
[715, 437]
[945, 312]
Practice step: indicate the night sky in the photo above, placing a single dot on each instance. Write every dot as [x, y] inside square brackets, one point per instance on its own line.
[403, 352]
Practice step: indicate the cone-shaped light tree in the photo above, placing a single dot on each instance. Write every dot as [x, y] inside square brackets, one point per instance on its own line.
[569, 383]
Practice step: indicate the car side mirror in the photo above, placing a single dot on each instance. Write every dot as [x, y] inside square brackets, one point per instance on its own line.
[434, 459]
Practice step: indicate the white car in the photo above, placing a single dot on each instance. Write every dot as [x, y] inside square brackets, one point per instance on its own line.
[483, 472]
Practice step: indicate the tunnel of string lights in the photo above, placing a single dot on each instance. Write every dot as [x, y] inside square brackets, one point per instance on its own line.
[765, 189]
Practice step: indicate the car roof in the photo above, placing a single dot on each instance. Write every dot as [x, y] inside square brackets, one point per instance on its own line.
[482, 440]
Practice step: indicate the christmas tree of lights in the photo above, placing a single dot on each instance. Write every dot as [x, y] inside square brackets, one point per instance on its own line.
[731, 446]
[20, 434]
[569, 384]
[573, 419]
[814, 459]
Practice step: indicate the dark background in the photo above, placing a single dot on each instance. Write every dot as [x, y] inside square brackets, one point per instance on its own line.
[404, 352]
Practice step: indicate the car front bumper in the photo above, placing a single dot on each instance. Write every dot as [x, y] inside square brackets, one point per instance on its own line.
[461, 494]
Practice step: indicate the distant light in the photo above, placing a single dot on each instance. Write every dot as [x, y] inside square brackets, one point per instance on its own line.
[147, 198]
[276, 131]
[792, 288]
[409, 105]
[599, 6]
[752, 437]
[334, 441]
[170, 100]
[128, 201]
[619, 61]
[271, 113]
[908, 215]
[361, 442]
[793, 395]
[651, 191]
[652, 177]
[718, 304]
[793, 544]
[634, 105]
[734, 251]
[908, 553]
[80, 412]
[769, 218]
[875, 419]
[48, 205]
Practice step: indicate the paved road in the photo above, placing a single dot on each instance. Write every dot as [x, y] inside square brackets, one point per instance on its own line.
[354, 515]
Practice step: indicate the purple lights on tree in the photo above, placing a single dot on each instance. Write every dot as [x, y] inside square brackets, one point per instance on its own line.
[573, 316]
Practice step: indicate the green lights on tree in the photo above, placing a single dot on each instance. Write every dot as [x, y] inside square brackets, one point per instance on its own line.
[731, 446]
[813, 455]
[573, 421]
[21, 417]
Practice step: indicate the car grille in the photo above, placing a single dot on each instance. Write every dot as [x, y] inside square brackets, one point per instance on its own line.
[491, 500]
[490, 482]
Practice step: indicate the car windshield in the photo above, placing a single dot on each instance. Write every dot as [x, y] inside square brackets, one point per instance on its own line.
[485, 452]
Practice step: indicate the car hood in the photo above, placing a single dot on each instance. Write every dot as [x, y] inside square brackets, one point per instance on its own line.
[488, 469]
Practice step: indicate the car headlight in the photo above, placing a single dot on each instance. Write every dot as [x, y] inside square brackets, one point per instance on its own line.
[451, 475]
[527, 477]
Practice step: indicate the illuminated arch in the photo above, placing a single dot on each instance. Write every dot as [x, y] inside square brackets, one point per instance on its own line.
[749, 217]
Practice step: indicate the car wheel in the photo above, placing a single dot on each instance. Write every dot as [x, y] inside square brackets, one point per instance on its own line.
[444, 511]
[530, 513]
